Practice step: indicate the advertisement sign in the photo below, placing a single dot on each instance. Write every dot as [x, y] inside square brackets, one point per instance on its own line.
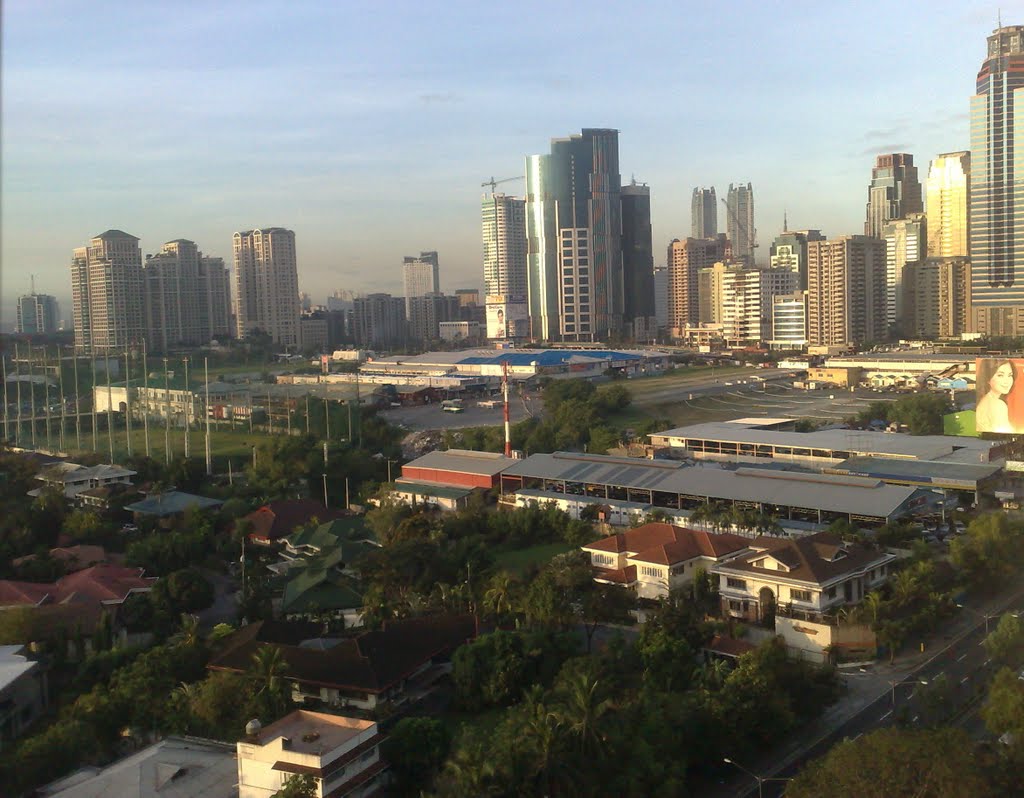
[506, 316]
[1000, 395]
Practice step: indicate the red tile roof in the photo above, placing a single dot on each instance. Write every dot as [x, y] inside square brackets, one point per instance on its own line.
[277, 519]
[815, 558]
[666, 544]
[729, 647]
[620, 576]
[100, 583]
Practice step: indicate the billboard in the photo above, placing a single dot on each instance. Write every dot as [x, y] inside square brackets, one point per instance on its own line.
[1000, 395]
[506, 316]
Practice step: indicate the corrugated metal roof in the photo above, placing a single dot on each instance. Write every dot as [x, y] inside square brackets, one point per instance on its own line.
[463, 461]
[899, 468]
[826, 492]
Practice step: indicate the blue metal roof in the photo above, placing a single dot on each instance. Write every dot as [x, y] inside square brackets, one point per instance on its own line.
[549, 357]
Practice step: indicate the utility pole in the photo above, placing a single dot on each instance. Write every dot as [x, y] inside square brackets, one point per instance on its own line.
[17, 375]
[325, 490]
[32, 396]
[146, 398]
[327, 437]
[63, 414]
[127, 402]
[307, 414]
[46, 402]
[78, 402]
[206, 412]
[188, 406]
[7, 418]
[167, 415]
[110, 407]
[95, 432]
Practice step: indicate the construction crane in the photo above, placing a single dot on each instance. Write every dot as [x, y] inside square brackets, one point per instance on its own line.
[750, 234]
[493, 183]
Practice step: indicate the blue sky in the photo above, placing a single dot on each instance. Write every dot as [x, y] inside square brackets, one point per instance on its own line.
[368, 127]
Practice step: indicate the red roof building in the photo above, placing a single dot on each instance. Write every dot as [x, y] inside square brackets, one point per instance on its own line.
[101, 584]
[658, 557]
[273, 521]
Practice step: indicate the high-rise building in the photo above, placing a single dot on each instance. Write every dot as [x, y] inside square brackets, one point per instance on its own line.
[685, 260]
[267, 284]
[937, 297]
[106, 292]
[739, 223]
[574, 227]
[427, 312]
[789, 251]
[739, 298]
[420, 276]
[997, 187]
[638, 263]
[187, 297]
[467, 296]
[661, 296]
[378, 321]
[846, 291]
[948, 195]
[704, 213]
[789, 321]
[37, 314]
[905, 243]
[503, 230]
[894, 192]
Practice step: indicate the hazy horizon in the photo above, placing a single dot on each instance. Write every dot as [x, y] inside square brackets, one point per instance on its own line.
[368, 130]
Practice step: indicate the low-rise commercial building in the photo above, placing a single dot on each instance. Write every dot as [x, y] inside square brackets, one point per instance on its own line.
[23, 693]
[341, 754]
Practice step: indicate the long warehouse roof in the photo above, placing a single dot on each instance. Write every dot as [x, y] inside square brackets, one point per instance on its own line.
[826, 492]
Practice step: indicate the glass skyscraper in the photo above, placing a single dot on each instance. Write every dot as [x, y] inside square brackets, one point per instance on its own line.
[894, 192]
[573, 230]
[997, 187]
[948, 202]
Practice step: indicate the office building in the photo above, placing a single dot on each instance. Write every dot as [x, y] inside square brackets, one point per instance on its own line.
[740, 298]
[661, 296]
[997, 187]
[948, 195]
[894, 192]
[685, 260]
[427, 312]
[574, 227]
[314, 332]
[739, 223]
[704, 213]
[937, 297]
[789, 251]
[468, 297]
[106, 292]
[789, 321]
[905, 242]
[420, 276]
[267, 284]
[846, 291]
[37, 314]
[187, 297]
[639, 320]
[379, 321]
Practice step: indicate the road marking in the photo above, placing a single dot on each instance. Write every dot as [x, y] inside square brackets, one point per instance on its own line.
[964, 679]
[887, 714]
[961, 658]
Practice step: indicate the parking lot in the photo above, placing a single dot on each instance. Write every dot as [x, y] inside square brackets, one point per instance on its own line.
[421, 417]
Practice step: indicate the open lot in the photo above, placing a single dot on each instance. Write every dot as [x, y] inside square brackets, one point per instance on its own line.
[431, 416]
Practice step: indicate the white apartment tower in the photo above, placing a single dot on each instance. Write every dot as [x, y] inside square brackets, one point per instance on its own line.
[187, 297]
[503, 223]
[106, 292]
[420, 276]
[267, 284]
[905, 243]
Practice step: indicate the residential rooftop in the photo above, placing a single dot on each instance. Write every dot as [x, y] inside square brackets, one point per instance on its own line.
[171, 502]
[314, 733]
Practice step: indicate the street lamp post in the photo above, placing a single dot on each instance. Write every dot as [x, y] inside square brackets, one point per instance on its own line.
[760, 780]
[894, 683]
[987, 616]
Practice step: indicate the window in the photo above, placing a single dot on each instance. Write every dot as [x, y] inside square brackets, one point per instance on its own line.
[647, 570]
[799, 595]
[736, 584]
[831, 593]
[368, 755]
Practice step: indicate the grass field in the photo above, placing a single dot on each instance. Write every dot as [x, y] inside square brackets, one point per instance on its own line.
[224, 443]
[641, 387]
[518, 561]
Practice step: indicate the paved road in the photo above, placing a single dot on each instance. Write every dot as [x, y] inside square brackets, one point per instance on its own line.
[872, 701]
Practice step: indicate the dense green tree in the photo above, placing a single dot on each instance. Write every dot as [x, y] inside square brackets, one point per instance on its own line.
[416, 748]
[1005, 644]
[895, 763]
[297, 786]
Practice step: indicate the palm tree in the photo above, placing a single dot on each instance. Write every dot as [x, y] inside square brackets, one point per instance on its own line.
[872, 607]
[188, 633]
[583, 712]
[469, 771]
[712, 674]
[904, 586]
[267, 671]
[544, 729]
[498, 597]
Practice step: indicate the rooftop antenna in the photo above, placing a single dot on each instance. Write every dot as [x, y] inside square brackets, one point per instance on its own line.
[32, 282]
[785, 221]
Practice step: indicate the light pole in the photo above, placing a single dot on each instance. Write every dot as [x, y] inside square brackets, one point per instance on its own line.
[760, 779]
[987, 616]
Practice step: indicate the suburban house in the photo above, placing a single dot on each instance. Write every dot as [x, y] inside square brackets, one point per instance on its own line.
[72, 478]
[276, 520]
[317, 587]
[102, 585]
[658, 557]
[171, 503]
[338, 535]
[23, 693]
[363, 671]
[799, 576]
[341, 754]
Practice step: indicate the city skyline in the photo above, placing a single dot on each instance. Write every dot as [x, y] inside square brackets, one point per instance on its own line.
[331, 159]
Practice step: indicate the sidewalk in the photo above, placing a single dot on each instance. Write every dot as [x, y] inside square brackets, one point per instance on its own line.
[862, 689]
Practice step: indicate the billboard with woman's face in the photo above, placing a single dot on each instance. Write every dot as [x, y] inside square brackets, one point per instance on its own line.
[1000, 386]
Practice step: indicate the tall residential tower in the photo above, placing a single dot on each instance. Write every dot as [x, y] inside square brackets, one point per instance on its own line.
[997, 187]
[267, 284]
[106, 292]
[420, 276]
[894, 192]
[948, 195]
[704, 213]
[640, 321]
[739, 223]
